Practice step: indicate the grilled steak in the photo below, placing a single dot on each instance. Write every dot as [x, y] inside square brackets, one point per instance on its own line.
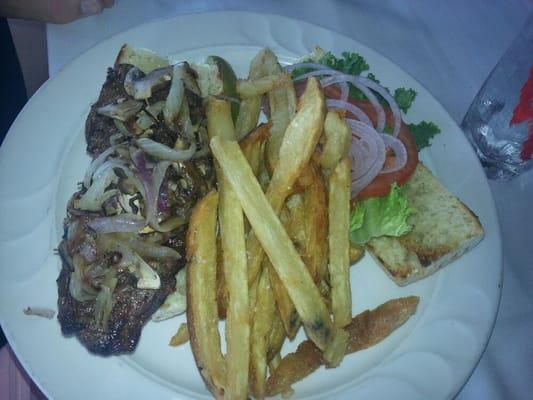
[114, 278]
[132, 307]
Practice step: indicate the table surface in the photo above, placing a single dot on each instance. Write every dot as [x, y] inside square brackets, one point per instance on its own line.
[450, 47]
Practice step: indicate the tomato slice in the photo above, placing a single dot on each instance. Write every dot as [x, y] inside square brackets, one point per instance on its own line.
[381, 184]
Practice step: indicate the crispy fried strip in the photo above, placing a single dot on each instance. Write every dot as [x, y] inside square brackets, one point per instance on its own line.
[180, 337]
[262, 324]
[288, 314]
[202, 316]
[315, 248]
[277, 337]
[277, 244]
[339, 244]
[365, 330]
[299, 142]
[257, 87]
[222, 287]
[356, 252]
[337, 348]
[250, 107]
[252, 146]
[338, 138]
[231, 223]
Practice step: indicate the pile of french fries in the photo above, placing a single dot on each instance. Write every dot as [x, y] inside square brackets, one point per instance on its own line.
[269, 250]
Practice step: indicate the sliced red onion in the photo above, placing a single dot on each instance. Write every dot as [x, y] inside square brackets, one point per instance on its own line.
[371, 149]
[104, 167]
[400, 153]
[158, 177]
[162, 200]
[392, 103]
[139, 160]
[344, 105]
[355, 81]
[96, 163]
[117, 223]
[163, 152]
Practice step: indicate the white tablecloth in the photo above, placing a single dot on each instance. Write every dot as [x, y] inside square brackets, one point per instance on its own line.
[450, 47]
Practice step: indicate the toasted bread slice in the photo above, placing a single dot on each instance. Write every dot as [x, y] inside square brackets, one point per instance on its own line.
[443, 229]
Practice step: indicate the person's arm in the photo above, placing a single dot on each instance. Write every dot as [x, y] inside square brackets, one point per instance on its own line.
[54, 11]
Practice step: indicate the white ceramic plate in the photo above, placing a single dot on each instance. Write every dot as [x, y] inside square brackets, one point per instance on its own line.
[43, 157]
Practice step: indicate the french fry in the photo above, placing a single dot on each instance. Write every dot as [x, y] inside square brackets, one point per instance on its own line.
[218, 123]
[257, 87]
[275, 241]
[277, 337]
[202, 315]
[338, 137]
[248, 117]
[231, 223]
[356, 252]
[335, 351]
[288, 314]
[282, 105]
[294, 367]
[339, 244]
[222, 287]
[262, 324]
[315, 210]
[253, 145]
[298, 145]
[250, 107]
[365, 330]
[180, 337]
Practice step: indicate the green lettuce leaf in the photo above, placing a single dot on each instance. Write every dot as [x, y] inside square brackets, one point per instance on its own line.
[380, 216]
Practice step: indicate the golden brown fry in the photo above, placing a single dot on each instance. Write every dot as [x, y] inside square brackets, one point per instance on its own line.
[288, 314]
[356, 252]
[257, 87]
[248, 117]
[273, 364]
[250, 107]
[222, 288]
[371, 327]
[315, 246]
[252, 147]
[282, 108]
[299, 142]
[231, 224]
[180, 337]
[338, 137]
[294, 367]
[219, 122]
[277, 337]
[275, 241]
[337, 348]
[202, 315]
[339, 244]
[365, 330]
[293, 220]
[262, 324]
